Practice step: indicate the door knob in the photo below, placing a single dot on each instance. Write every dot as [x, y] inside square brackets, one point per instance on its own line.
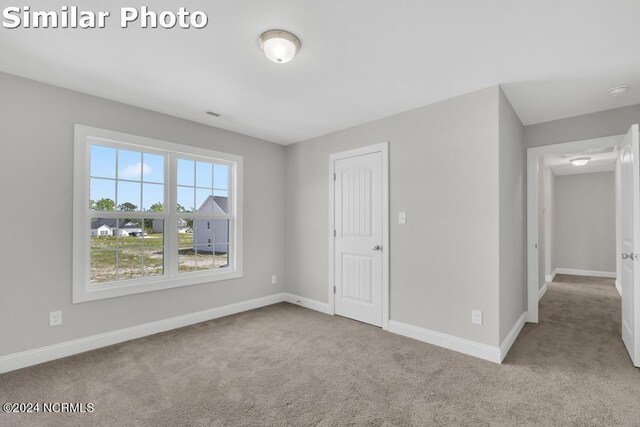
[625, 256]
[629, 256]
[377, 247]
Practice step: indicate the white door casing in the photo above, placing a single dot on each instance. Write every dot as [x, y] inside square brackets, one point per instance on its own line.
[630, 242]
[359, 264]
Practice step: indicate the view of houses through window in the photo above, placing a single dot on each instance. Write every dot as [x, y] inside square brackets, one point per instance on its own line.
[129, 217]
[126, 249]
[203, 200]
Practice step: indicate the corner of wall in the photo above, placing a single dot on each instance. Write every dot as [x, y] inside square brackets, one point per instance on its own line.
[511, 283]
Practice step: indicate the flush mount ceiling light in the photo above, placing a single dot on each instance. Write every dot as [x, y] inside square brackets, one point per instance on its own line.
[279, 46]
[580, 161]
[618, 90]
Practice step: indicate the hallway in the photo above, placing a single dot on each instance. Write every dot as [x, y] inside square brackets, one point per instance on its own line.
[579, 330]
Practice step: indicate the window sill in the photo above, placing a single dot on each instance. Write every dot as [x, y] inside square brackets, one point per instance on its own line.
[138, 286]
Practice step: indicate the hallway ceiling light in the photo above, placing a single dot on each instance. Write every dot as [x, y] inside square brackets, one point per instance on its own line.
[580, 161]
[618, 90]
[279, 46]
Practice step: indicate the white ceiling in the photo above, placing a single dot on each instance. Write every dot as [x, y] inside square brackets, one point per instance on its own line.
[360, 60]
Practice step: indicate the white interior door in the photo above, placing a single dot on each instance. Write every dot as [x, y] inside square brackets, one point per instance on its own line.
[358, 237]
[630, 242]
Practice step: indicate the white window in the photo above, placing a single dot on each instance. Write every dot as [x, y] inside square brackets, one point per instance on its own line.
[174, 211]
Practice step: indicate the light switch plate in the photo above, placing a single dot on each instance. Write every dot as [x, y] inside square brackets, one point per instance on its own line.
[402, 217]
[55, 318]
[476, 317]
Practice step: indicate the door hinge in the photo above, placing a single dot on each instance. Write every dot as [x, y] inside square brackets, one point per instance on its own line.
[334, 176]
[334, 289]
[334, 233]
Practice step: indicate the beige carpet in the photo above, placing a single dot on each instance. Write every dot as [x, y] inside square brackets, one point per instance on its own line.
[288, 365]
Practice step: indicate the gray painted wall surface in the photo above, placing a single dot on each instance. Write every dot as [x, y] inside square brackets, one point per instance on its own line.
[595, 125]
[36, 148]
[512, 226]
[444, 173]
[541, 234]
[585, 229]
[549, 215]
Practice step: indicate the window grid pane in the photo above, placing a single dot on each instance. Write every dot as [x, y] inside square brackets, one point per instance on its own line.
[153, 168]
[152, 197]
[103, 162]
[102, 194]
[128, 196]
[153, 247]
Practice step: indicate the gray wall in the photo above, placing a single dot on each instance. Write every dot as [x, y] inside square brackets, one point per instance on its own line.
[549, 215]
[444, 172]
[36, 148]
[512, 188]
[585, 229]
[595, 125]
[541, 234]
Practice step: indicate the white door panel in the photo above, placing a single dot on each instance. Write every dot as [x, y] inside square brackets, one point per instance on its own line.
[630, 242]
[358, 237]
[357, 278]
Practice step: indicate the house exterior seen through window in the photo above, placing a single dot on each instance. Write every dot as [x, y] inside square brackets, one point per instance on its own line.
[151, 215]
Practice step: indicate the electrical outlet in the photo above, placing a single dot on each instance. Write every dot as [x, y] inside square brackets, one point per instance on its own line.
[476, 317]
[274, 280]
[402, 217]
[55, 318]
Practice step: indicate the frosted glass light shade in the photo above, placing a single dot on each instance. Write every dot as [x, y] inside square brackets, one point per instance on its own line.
[580, 161]
[279, 46]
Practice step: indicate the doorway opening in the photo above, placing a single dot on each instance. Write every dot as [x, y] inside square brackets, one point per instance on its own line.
[577, 194]
[577, 215]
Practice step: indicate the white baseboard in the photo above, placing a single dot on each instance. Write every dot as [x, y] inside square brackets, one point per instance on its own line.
[322, 307]
[51, 352]
[542, 291]
[461, 345]
[593, 273]
[513, 334]
[56, 351]
[472, 348]
[549, 277]
[619, 288]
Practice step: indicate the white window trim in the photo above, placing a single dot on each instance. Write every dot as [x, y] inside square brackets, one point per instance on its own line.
[82, 289]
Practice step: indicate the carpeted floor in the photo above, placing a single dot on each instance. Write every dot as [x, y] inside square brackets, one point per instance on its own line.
[288, 365]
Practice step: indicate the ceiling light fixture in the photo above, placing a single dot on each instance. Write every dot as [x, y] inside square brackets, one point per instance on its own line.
[279, 46]
[618, 90]
[580, 161]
